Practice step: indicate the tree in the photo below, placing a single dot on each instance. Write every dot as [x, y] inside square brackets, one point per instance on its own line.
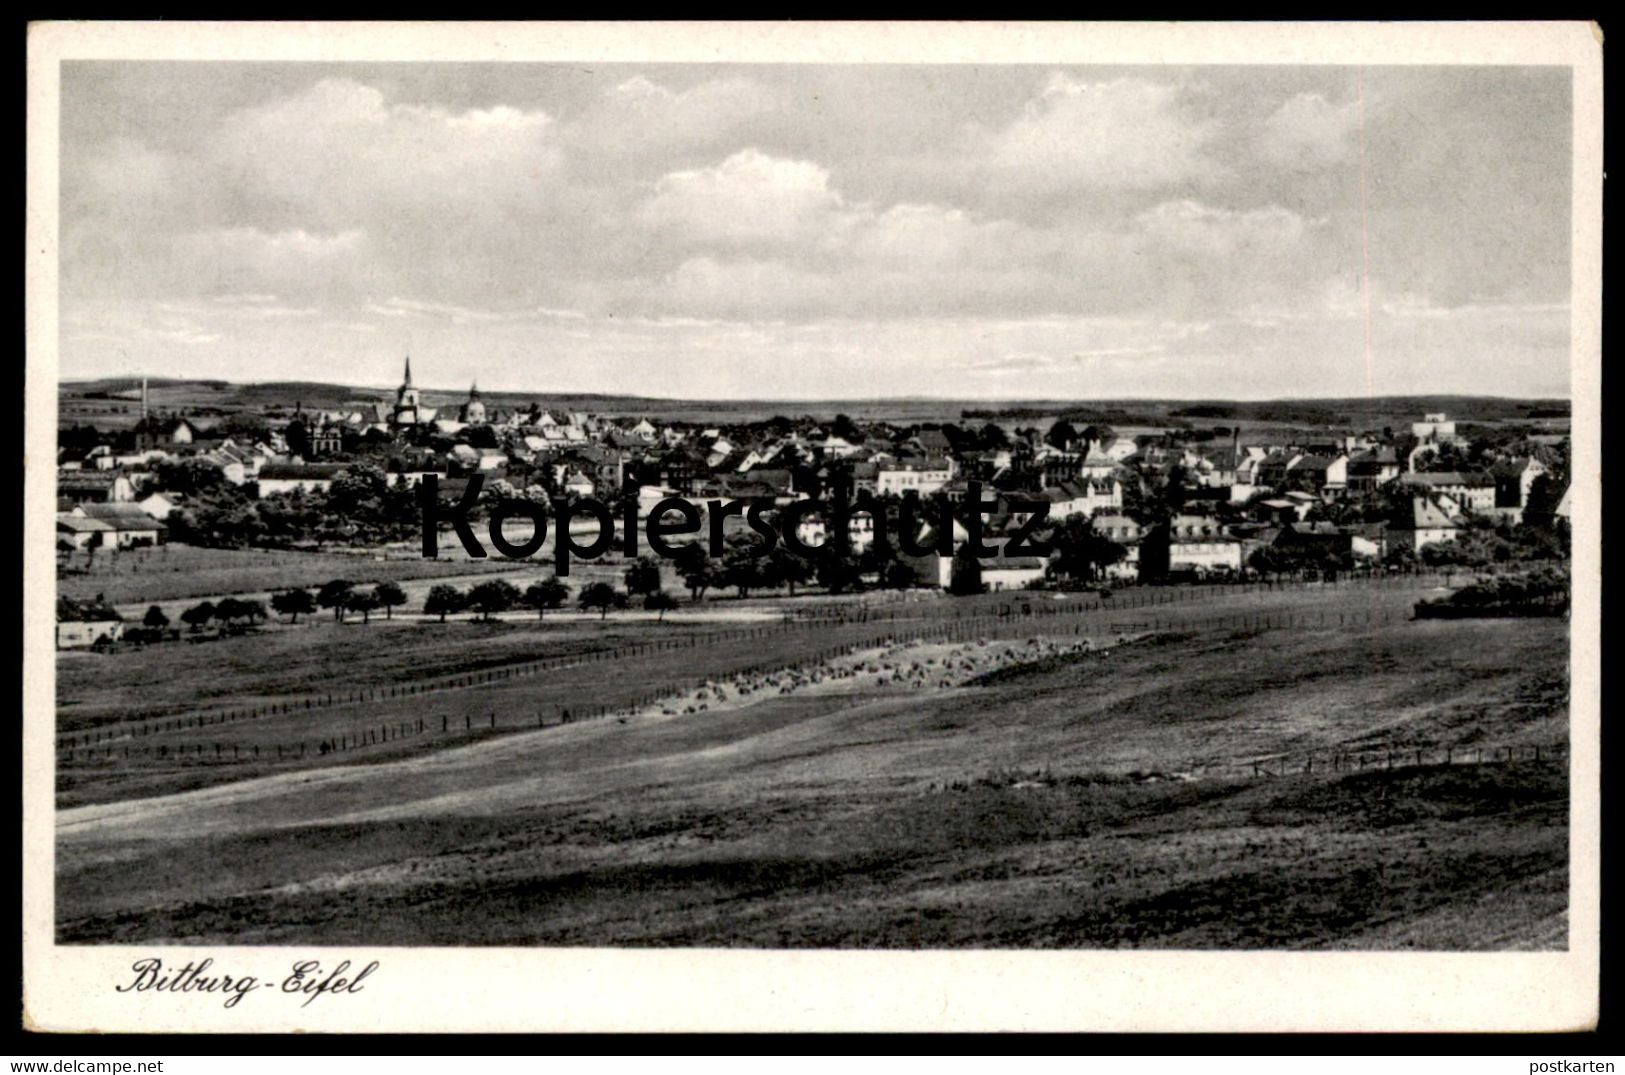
[744, 571]
[965, 577]
[332, 594]
[699, 572]
[198, 615]
[493, 596]
[1401, 555]
[293, 603]
[838, 571]
[363, 601]
[899, 576]
[189, 476]
[643, 576]
[1452, 556]
[1081, 551]
[253, 611]
[444, 600]
[601, 596]
[229, 610]
[390, 596]
[846, 429]
[297, 436]
[244, 426]
[1271, 560]
[790, 567]
[546, 594]
[155, 618]
[661, 602]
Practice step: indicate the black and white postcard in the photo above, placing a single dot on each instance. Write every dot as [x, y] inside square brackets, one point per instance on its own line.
[812, 527]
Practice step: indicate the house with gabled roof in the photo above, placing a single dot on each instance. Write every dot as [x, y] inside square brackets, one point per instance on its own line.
[1513, 480]
[1425, 522]
[1127, 533]
[1370, 470]
[94, 486]
[1084, 497]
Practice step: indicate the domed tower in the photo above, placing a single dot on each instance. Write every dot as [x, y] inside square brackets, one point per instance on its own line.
[406, 400]
[473, 412]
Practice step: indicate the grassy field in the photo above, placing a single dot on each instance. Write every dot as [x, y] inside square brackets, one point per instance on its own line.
[169, 573]
[1099, 802]
[170, 717]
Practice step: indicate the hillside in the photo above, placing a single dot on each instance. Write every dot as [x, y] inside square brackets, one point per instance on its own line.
[170, 394]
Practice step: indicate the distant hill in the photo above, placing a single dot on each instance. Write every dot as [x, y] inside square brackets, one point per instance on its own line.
[84, 400]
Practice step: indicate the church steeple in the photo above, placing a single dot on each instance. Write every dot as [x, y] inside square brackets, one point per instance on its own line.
[473, 412]
[406, 400]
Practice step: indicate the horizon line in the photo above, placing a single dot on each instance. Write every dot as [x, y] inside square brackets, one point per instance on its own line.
[911, 398]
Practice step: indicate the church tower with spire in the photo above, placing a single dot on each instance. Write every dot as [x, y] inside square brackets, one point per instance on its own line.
[473, 412]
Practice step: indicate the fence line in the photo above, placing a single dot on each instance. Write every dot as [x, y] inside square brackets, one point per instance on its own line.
[467, 724]
[823, 618]
[957, 627]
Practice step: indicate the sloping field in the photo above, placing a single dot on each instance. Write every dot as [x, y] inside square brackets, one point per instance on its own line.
[1104, 800]
[179, 716]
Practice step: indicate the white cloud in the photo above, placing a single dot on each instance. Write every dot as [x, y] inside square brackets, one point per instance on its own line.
[748, 198]
[341, 153]
[1190, 227]
[245, 259]
[1308, 131]
[640, 118]
[1124, 134]
[645, 217]
[741, 288]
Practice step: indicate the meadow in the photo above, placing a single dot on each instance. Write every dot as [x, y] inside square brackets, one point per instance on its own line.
[1105, 801]
[148, 719]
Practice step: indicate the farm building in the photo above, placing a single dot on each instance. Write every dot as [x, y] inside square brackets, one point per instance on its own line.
[129, 523]
[82, 624]
[94, 486]
[998, 572]
[78, 532]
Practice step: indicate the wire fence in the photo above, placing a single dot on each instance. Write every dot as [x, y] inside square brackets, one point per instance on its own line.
[1022, 605]
[863, 629]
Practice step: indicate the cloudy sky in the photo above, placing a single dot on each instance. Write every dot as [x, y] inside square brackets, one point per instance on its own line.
[821, 232]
